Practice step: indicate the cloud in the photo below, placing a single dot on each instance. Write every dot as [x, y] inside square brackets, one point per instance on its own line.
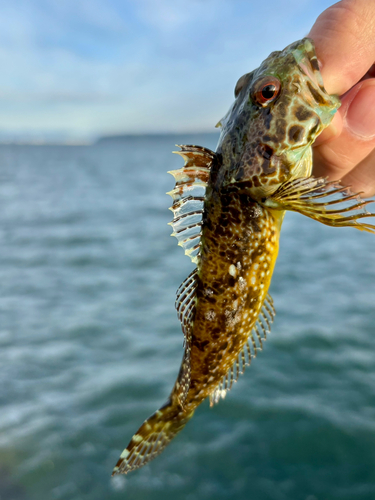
[96, 66]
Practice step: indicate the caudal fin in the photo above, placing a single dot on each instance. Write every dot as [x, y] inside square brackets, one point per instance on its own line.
[152, 437]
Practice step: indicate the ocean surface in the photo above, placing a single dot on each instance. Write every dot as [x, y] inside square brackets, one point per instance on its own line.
[90, 344]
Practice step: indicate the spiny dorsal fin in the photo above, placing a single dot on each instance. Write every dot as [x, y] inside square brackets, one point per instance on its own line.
[188, 197]
[327, 202]
[185, 305]
[249, 351]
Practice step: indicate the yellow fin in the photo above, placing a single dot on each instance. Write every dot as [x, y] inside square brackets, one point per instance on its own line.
[314, 198]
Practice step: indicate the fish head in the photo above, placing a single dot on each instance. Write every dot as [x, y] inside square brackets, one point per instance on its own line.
[279, 110]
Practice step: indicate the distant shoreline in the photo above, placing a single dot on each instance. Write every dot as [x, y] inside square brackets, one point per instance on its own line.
[124, 137]
[105, 139]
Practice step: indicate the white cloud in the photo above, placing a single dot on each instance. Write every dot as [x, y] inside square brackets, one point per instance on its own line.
[92, 66]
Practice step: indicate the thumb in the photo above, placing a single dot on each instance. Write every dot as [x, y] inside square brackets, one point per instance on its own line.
[345, 146]
[345, 43]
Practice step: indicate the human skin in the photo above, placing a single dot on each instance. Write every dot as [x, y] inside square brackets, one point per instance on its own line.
[344, 37]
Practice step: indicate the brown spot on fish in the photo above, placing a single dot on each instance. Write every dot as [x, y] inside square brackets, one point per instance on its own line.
[280, 129]
[316, 95]
[200, 344]
[314, 63]
[267, 168]
[295, 133]
[256, 181]
[303, 114]
[268, 119]
[215, 334]
[314, 130]
[231, 281]
[265, 151]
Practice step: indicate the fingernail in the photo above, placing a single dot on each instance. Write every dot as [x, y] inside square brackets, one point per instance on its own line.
[360, 117]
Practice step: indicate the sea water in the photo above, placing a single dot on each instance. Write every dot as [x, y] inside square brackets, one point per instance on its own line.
[90, 344]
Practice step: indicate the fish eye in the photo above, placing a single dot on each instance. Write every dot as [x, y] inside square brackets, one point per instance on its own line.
[266, 90]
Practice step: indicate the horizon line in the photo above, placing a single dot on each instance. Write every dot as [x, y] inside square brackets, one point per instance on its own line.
[45, 141]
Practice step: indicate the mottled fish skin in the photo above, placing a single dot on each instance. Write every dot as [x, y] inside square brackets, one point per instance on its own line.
[238, 253]
[262, 166]
[265, 146]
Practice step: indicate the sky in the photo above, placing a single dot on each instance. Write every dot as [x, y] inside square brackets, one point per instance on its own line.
[74, 70]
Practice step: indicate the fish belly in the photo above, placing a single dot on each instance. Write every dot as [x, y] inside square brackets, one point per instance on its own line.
[240, 242]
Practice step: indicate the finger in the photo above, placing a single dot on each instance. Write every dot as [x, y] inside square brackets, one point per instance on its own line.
[370, 73]
[335, 127]
[361, 178]
[345, 43]
[330, 133]
[337, 156]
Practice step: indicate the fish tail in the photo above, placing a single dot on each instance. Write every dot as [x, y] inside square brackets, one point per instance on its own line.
[152, 437]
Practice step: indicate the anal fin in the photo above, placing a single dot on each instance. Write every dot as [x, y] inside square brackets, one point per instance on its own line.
[185, 305]
[249, 351]
[326, 201]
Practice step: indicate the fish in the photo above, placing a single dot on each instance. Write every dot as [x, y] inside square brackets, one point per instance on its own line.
[228, 208]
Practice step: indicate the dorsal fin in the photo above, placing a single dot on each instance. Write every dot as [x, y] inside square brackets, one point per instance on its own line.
[185, 305]
[188, 197]
[255, 341]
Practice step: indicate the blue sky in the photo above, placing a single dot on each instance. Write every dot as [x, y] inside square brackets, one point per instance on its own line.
[74, 70]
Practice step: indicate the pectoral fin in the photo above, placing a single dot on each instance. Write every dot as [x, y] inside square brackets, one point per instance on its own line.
[327, 202]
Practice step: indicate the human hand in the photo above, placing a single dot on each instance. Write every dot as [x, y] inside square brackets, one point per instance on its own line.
[344, 37]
